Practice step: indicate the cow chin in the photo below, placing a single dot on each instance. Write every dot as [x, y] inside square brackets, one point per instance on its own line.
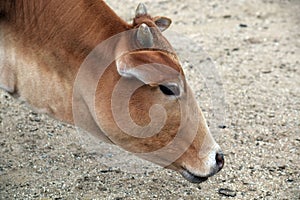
[199, 170]
[192, 177]
[188, 175]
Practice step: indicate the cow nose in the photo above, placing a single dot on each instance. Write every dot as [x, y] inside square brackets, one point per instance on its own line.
[220, 160]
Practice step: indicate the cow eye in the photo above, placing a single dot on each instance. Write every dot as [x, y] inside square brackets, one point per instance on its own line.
[170, 90]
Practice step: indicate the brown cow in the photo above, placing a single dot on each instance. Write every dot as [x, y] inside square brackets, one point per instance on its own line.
[44, 45]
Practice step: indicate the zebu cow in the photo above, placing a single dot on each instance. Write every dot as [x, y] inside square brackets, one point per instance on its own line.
[43, 45]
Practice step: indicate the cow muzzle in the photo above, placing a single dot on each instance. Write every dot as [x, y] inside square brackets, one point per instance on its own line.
[195, 177]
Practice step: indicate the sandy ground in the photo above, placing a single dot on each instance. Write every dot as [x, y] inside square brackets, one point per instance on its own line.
[255, 46]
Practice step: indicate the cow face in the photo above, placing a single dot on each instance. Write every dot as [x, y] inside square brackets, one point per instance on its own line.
[150, 110]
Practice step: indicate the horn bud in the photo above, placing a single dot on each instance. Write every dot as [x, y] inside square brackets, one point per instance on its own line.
[140, 10]
[144, 36]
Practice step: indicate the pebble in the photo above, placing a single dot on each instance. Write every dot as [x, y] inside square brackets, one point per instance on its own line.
[227, 192]
[243, 25]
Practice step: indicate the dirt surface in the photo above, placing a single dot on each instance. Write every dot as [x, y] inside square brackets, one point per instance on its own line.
[255, 46]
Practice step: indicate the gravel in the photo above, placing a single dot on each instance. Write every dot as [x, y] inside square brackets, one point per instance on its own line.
[255, 48]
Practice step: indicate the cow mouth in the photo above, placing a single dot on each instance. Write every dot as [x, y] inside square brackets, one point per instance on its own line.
[192, 177]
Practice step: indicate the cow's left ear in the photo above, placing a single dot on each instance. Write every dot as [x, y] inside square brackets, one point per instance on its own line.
[149, 73]
[162, 22]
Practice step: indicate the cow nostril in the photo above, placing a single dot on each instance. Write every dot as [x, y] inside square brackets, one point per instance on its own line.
[220, 160]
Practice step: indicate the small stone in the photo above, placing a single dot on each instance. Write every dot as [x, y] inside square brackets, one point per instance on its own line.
[243, 25]
[253, 40]
[227, 192]
[259, 138]
[289, 180]
[266, 71]
[281, 167]
[222, 126]
[226, 16]
[33, 129]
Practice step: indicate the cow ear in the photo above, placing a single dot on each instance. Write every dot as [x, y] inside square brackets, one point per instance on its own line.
[151, 74]
[162, 22]
[144, 73]
[124, 68]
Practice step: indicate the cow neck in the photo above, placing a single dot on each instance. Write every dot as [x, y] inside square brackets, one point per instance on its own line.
[71, 27]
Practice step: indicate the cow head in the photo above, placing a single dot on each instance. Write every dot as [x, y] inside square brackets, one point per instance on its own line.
[145, 106]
